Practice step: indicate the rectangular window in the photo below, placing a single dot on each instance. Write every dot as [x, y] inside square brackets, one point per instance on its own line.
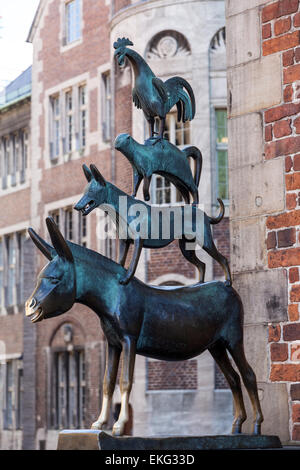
[221, 153]
[69, 229]
[69, 121]
[106, 106]
[11, 265]
[73, 21]
[13, 393]
[23, 155]
[178, 134]
[55, 127]
[82, 115]
[5, 165]
[69, 389]
[1, 273]
[8, 411]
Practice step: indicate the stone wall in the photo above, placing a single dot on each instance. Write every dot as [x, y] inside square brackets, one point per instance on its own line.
[263, 147]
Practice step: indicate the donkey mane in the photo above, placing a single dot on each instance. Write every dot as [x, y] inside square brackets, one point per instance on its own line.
[83, 255]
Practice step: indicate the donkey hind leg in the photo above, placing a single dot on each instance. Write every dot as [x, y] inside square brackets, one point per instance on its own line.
[111, 370]
[190, 255]
[219, 353]
[214, 253]
[129, 347]
[249, 379]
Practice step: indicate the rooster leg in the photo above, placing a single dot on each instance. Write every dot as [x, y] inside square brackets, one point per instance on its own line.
[151, 127]
[162, 128]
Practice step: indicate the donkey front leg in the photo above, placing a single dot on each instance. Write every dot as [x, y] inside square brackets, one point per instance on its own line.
[111, 370]
[129, 348]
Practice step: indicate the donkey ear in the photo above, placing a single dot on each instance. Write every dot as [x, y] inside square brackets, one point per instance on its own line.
[87, 172]
[58, 240]
[97, 175]
[43, 246]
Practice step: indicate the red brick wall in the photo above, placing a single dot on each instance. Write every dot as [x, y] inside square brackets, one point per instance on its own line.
[221, 234]
[281, 35]
[162, 375]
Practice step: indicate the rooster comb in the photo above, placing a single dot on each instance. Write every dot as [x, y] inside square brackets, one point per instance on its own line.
[121, 43]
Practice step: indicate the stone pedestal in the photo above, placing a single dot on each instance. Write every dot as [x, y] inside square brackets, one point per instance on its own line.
[88, 439]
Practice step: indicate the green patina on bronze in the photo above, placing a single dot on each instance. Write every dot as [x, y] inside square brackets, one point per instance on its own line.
[152, 95]
[164, 159]
[106, 195]
[166, 323]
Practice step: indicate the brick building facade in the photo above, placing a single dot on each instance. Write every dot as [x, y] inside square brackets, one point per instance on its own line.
[263, 79]
[79, 101]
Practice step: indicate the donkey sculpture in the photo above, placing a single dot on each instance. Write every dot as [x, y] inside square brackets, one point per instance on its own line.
[166, 323]
[106, 195]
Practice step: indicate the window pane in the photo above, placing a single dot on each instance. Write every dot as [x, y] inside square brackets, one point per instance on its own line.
[73, 20]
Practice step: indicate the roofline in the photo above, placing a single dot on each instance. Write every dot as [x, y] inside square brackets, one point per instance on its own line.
[14, 102]
[35, 21]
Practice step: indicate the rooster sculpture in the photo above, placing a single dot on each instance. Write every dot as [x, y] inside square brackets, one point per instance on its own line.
[155, 97]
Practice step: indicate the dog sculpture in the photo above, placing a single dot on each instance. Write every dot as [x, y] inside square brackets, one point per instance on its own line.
[163, 159]
[101, 193]
[166, 323]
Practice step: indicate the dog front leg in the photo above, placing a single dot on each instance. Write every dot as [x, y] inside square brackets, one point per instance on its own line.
[138, 245]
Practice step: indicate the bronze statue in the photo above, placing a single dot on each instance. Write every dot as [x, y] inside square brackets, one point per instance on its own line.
[102, 193]
[163, 159]
[152, 95]
[166, 323]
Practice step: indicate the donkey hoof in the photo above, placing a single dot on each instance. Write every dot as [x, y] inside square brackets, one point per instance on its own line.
[118, 429]
[257, 429]
[97, 425]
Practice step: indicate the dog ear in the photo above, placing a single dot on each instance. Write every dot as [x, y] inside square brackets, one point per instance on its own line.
[87, 172]
[97, 175]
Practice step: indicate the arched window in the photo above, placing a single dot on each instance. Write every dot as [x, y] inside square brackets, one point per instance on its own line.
[68, 381]
[218, 103]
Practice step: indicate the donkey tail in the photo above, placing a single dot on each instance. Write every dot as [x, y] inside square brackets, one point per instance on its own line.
[216, 220]
[196, 155]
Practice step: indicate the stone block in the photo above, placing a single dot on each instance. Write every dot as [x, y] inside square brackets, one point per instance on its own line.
[248, 251]
[257, 189]
[245, 138]
[243, 37]
[264, 295]
[254, 86]
[256, 343]
[274, 403]
[233, 7]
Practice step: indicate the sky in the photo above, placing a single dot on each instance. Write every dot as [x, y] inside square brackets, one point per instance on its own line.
[16, 17]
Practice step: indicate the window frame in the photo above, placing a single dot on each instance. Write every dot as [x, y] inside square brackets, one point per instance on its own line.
[76, 33]
[222, 147]
[172, 128]
[62, 415]
[106, 105]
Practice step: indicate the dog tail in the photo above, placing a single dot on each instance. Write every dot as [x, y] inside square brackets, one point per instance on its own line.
[195, 153]
[216, 220]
